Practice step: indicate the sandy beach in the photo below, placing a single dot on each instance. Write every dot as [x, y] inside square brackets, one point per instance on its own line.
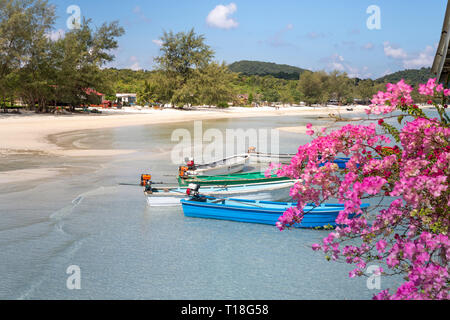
[34, 134]
[29, 133]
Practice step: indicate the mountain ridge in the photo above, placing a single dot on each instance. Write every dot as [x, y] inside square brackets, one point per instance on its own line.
[261, 68]
[288, 72]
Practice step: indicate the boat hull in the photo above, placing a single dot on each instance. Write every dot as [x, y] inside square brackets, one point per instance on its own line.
[229, 165]
[271, 192]
[220, 170]
[258, 157]
[324, 216]
[341, 162]
[230, 180]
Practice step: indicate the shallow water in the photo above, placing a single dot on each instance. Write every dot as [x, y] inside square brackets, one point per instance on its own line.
[126, 250]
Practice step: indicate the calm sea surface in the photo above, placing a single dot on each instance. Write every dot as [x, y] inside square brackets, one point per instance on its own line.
[126, 250]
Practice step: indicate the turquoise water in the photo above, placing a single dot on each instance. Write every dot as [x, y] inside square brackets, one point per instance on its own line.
[126, 250]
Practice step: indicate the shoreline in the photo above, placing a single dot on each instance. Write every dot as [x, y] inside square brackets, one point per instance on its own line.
[29, 133]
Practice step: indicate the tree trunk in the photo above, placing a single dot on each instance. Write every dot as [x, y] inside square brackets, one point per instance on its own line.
[5, 110]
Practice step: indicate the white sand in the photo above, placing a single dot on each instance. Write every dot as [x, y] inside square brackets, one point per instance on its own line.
[28, 132]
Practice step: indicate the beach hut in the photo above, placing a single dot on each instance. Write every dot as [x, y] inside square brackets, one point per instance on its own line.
[126, 99]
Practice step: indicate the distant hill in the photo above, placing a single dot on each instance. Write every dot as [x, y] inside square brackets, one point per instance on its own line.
[282, 71]
[411, 76]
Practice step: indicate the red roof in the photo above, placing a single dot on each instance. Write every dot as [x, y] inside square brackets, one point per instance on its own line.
[90, 91]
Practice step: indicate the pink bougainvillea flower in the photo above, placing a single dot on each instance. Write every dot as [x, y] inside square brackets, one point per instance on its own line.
[409, 232]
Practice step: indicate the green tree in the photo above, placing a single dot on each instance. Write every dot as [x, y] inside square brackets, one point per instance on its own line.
[182, 53]
[286, 96]
[23, 25]
[165, 87]
[213, 84]
[366, 89]
[80, 55]
[210, 85]
[311, 86]
[147, 94]
[250, 98]
[338, 86]
[36, 79]
[189, 75]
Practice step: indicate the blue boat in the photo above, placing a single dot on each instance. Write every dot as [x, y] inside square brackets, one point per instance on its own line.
[263, 212]
[341, 162]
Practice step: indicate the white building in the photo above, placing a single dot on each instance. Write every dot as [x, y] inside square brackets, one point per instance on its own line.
[126, 98]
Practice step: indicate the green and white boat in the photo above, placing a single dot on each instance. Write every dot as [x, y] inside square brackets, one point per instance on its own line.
[229, 179]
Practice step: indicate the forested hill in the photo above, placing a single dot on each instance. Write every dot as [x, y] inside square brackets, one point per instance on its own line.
[411, 76]
[281, 71]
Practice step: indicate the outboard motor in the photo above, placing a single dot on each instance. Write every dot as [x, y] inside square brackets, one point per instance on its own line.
[146, 182]
[193, 192]
[148, 187]
[182, 172]
[145, 178]
[190, 164]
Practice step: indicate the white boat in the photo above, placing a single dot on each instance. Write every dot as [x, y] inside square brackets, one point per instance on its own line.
[230, 165]
[261, 157]
[271, 191]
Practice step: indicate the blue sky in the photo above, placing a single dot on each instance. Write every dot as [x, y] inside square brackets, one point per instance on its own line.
[316, 35]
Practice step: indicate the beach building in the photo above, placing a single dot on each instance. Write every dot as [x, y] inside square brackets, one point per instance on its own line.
[126, 98]
[94, 97]
[441, 65]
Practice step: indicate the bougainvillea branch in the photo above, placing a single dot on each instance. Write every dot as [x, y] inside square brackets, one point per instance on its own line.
[405, 171]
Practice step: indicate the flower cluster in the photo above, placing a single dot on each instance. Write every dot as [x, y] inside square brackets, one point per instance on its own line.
[386, 102]
[409, 234]
[429, 88]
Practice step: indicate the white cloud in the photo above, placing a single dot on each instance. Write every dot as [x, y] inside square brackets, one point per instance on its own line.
[56, 34]
[135, 64]
[337, 66]
[411, 61]
[157, 42]
[396, 53]
[337, 62]
[424, 59]
[334, 62]
[219, 17]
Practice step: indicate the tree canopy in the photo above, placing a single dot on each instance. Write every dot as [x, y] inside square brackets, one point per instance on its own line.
[188, 73]
[41, 71]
